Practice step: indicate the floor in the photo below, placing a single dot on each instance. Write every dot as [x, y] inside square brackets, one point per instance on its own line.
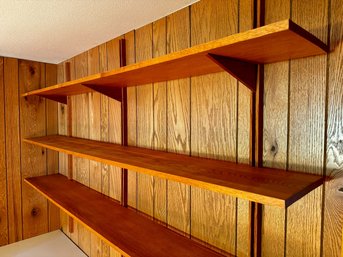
[53, 244]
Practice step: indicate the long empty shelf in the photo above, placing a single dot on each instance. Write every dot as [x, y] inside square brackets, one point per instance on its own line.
[275, 42]
[128, 232]
[263, 185]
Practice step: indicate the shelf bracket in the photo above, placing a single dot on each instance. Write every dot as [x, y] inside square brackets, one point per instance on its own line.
[245, 72]
[112, 92]
[58, 98]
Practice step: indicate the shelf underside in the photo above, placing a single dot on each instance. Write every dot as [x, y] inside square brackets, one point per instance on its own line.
[128, 232]
[262, 185]
[271, 43]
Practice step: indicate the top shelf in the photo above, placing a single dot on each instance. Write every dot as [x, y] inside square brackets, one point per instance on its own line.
[275, 42]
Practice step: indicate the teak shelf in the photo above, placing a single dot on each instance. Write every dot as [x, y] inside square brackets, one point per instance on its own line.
[128, 232]
[263, 185]
[237, 54]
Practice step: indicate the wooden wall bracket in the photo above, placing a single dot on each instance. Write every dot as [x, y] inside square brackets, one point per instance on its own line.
[58, 98]
[112, 92]
[245, 72]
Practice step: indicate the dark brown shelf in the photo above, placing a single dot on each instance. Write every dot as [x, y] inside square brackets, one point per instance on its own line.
[263, 185]
[128, 232]
[236, 53]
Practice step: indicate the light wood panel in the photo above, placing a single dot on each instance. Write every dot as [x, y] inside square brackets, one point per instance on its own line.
[307, 131]
[159, 44]
[81, 119]
[125, 230]
[52, 128]
[12, 117]
[213, 123]
[3, 171]
[333, 212]
[178, 122]
[276, 42]
[275, 133]
[33, 161]
[268, 186]
[145, 119]
[243, 140]
[131, 118]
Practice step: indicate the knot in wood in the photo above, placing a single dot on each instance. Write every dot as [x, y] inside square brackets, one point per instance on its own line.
[340, 189]
[32, 70]
[34, 212]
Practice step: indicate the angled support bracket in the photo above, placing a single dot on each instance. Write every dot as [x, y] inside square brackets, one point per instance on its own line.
[58, 98]
[112, 92]
[245, 72]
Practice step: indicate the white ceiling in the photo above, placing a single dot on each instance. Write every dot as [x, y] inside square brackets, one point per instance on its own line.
[55, 30]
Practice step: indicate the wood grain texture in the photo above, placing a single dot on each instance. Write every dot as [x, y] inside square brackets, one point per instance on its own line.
[145, 119]
[245, 22]
[114, 120]
[307, 131]
[3, 171]
[94, 133]
[178, 120]
[276, 42]
[159, 44]
[263, 185]
[12, 121]
[52, 128]
[81, 120]
[33, 159]
[333, 212]
[275, 144]
[213, 122]
[124, 229]
[131, 117]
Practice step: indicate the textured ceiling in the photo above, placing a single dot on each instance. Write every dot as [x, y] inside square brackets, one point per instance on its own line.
[55, 30]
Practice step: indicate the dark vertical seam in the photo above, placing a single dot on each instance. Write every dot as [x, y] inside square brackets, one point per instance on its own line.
[166, 113]
[20, 150]
[136, 95]
[153, 123]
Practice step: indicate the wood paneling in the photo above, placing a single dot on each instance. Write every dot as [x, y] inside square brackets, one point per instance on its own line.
[33, 159]
[243, 140]
[307, 131]
[333, 212]
[275, 134]
[52, 128]
[12, 117]
[178, 122]
[213, 123]
[3, 171]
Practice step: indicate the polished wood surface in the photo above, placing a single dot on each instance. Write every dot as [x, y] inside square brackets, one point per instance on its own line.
[128, 232]
[267, 186]
[272, 43]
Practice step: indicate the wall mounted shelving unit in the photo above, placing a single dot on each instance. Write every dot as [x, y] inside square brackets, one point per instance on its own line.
[237, 54]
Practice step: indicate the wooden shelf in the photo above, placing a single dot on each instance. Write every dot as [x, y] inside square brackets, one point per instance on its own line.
[128, 232]
[263, 185]
[275, 42]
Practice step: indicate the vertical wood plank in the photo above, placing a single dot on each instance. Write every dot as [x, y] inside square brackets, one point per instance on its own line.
[114, 120]
[276, 85]
[178, 120]
[333, 211]
[13, 147]
[33, 159]
[213, 122]
[95, 134]
[246, 17]
[52, 129]
[3, 171]
[160, 120]
[145, 183]
[81, 121]
[306, 131]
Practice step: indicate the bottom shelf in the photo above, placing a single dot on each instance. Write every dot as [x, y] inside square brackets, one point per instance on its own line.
[128, 232]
